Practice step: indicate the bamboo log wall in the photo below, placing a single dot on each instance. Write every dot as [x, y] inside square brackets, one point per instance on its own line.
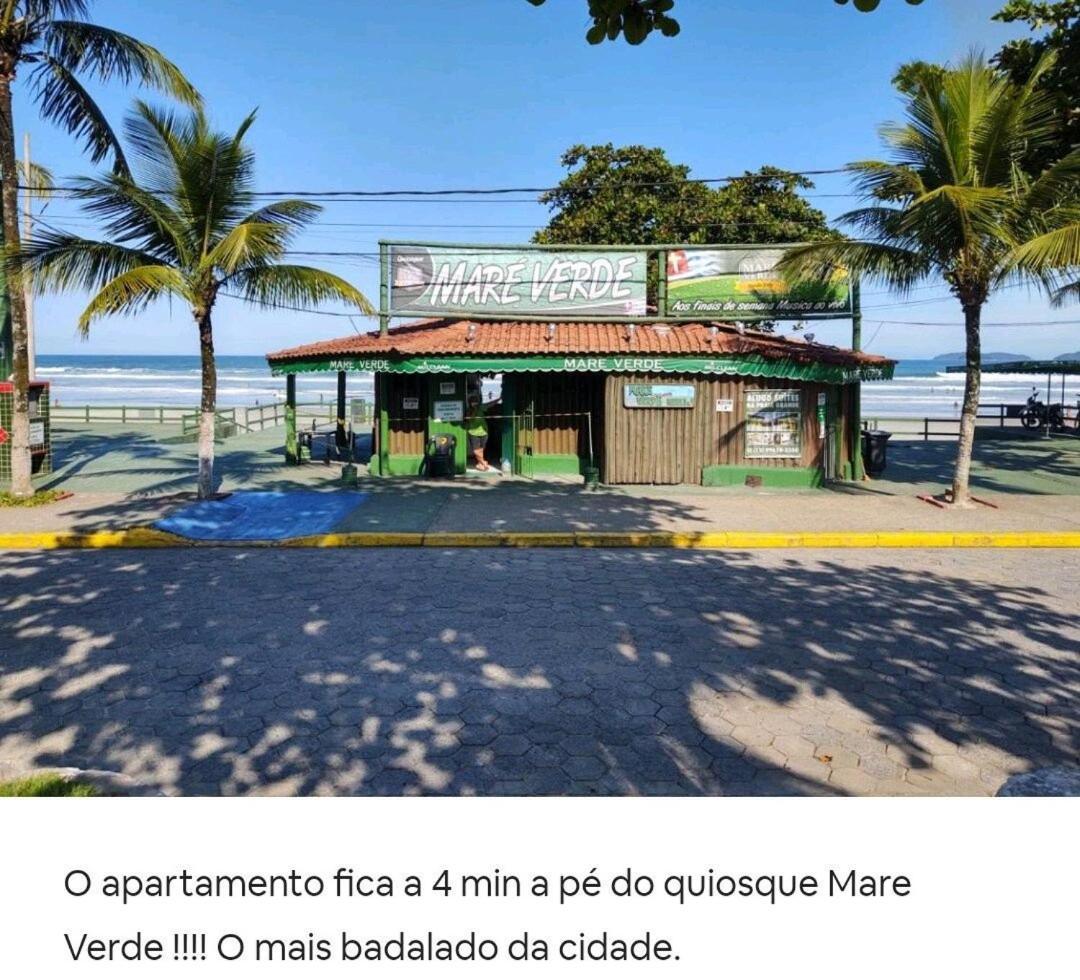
[552, 409]
[673, 445]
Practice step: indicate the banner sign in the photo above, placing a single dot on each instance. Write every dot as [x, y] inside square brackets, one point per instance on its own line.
[743, 284]
[433, 280]
[658, 396]
[773, 423]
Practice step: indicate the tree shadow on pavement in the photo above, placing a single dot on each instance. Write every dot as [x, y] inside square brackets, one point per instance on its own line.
[235, 671]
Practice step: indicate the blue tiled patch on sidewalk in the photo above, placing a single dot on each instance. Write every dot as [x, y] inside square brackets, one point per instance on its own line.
[261, 515]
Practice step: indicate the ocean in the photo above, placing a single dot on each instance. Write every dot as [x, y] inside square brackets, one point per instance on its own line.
[919, 388]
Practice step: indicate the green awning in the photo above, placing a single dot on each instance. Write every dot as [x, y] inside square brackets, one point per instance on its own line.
[752, 365]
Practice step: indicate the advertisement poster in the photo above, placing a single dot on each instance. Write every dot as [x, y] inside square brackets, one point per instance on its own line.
[744, 284]
[772, 424]
[469, 279]
[658, 396]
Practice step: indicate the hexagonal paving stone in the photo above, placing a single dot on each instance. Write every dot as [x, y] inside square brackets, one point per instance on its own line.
[793, 746]
[752, 736]
[511, 745]
[477, 735]
[584, 767]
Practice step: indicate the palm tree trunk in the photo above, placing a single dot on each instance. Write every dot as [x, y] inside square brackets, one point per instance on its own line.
[9, 206]
[208, 406]
[961, 493]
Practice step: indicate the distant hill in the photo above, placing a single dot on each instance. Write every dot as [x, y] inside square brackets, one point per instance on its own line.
[994, 357]
[1074, 356]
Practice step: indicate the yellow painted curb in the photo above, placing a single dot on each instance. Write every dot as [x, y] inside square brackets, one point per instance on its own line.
[357, 539]
[539, 539]
[135, 537]
[148, 537]
[463, 539]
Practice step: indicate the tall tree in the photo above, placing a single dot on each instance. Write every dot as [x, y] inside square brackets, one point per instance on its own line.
[635, 20]
[953, 201]
[1056, 30]
[184, 224]
[615, 195]
[60, 49]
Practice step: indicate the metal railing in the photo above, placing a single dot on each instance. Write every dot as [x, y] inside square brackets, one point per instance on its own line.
[247, 418]
[998, 415]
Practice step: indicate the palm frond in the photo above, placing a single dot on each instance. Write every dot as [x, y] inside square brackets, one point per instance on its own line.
[250, 243]
[290, 285]
[132, 291]
[60, 262]
[134, 215]
[1059, 183]
[289, 211]
[874, 222]
[37, 181]
[886, 181]
[65, 102]
[1066, 294]
[105, 54]
[1058, 249]
[206, 176]
[895, 267]
[38, 11]
[1015, 120]
[961, 215]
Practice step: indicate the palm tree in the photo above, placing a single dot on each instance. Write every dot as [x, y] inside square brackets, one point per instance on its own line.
[53, 40]
[184, 225]
[954, 203]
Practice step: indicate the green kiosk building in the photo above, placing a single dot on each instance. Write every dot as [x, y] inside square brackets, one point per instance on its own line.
[592, 384]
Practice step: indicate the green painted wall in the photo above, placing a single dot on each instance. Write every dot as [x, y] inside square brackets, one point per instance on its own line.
[549, 465]
[730, 476]
[403, 465]
[456, 429]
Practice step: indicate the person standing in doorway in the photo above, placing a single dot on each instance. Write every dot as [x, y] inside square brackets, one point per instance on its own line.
[476, 431]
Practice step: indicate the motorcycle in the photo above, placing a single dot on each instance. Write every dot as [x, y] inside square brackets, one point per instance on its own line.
[1036, 415]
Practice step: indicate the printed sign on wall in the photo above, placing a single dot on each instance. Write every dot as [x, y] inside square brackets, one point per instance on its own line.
[773, 423]
[449, 411]
[742, 283]
[658, 396]
[428, 279]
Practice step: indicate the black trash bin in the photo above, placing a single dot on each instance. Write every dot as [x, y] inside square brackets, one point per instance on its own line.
[874, 445]
[439, 456]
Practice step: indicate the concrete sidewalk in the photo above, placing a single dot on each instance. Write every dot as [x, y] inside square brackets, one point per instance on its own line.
[414, 507]
[129, 478]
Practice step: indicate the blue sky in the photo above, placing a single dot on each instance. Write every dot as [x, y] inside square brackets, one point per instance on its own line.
[370, 94]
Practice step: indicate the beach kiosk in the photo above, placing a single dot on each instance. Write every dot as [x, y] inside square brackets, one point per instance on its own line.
[592, 385]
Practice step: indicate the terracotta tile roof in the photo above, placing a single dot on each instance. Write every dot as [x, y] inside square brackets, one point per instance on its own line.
[484, 338]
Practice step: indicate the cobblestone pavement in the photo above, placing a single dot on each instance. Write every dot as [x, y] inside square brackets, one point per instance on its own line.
[238, 671]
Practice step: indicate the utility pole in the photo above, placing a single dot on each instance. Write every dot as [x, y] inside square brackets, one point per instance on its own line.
[28, 227]
[858, 470]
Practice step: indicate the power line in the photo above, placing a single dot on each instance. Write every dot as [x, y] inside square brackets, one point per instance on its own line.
[951, 323]
[298, 309]
[496, 191]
